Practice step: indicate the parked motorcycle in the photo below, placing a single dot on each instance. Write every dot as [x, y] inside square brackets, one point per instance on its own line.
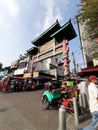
[67, 102]
[51, 98]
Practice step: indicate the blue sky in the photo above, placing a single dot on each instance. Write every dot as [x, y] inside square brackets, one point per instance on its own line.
[21, 21]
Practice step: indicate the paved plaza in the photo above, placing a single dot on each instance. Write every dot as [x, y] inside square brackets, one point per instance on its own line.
[23, 111]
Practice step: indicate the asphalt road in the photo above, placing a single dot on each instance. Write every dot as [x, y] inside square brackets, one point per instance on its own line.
[23, 111]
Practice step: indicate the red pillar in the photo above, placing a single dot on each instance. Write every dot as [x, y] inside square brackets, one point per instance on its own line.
[32, 68]
[65, 49]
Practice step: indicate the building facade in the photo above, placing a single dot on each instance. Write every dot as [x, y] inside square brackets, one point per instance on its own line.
[90, 52]
[50, 52]
[23, 66]
[88, 46]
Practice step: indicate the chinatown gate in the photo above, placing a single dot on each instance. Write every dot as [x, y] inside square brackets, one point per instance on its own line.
[50, 53]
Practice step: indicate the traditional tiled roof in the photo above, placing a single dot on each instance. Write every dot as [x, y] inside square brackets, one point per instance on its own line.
[45, 36]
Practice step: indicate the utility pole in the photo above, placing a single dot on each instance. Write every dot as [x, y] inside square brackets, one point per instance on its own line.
[81, 44]
[74, 63]
[77, 67]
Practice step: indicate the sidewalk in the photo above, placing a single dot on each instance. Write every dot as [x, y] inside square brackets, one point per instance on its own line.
[70, 123]
[85, 123]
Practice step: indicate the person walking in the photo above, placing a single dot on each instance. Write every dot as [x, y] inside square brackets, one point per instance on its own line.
[93, 102]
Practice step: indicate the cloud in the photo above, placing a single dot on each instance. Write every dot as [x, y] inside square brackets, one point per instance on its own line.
[4, 24]
[8, 10]
[49, 13]
[11, 6]
[53, 11]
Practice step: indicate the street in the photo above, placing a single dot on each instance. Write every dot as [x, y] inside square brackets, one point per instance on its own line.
[23, 111]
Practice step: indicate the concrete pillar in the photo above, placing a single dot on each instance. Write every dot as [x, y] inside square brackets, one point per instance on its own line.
[62, 118]
[76, 115]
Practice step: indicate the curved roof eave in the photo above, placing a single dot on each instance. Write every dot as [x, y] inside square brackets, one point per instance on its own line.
[66, 31]
[46, 34]
[33, 50]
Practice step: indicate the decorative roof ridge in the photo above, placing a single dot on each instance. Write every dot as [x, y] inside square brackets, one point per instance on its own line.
[69, 22]
[41, 35]
[66, 23]
[31, 48]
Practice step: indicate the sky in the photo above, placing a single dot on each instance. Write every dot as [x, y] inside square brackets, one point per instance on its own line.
[21, 21]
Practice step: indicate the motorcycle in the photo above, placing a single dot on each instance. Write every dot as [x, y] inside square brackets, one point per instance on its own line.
[57, 97]
[52, 95]
[67, 102]
[51, 98]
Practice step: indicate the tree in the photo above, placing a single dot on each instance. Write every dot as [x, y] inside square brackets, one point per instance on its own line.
[88, 15]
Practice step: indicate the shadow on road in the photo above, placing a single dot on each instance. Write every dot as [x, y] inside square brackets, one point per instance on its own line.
[5, 109]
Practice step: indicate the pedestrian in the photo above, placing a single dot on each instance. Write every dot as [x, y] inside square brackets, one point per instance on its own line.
[4, 84]
[83, 90]
[1, 86]
[93, 102]
[29, 84]
[64, 85]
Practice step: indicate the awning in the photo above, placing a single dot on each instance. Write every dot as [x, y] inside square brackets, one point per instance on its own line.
[2, 75]
[17, 77]
[39, 78]
[89, 71]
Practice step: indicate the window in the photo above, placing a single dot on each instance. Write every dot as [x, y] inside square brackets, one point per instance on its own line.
[22, 65]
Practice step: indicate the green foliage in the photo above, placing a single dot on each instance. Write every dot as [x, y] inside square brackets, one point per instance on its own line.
[89, 15]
